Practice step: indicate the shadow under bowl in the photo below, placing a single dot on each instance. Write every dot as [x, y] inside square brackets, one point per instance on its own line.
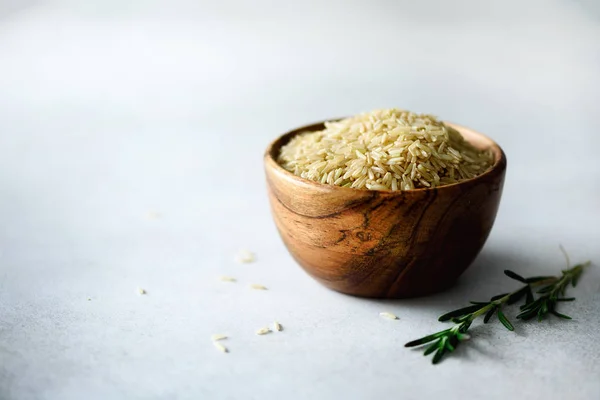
[384, 244]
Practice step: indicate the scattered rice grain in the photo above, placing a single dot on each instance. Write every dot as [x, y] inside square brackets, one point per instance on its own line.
[256, 286]
[388, 315]
[217, 336]
[277, 326]
[220, 347]
[263, 331]
[245, 256]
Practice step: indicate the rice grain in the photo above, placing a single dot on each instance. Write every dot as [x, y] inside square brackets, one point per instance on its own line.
[256, 286]
[388, 315]
[220, 347]
[245, 257]
[418, 150]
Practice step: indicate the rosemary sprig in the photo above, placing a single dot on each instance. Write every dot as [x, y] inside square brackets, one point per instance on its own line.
[551, 293]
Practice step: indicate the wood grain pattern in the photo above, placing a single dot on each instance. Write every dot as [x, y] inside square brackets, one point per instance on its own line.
[384, 244]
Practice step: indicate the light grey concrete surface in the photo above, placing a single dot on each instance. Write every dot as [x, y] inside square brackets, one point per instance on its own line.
[112, 110]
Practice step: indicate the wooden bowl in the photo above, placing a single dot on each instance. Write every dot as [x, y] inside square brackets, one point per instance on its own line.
[384, 244]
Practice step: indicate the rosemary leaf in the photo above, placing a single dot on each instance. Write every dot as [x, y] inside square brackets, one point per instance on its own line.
[518, 295]
[529, 299]
[505, 321]
[433, 347]
[563, 316]
[438, 355]
[449, 347]
[460, 312]
[426, 339]
[566, 299]
[489, 315]
[526, 315]
[514, 276]
[499, 296]
[575, 280]
[535, 279]
[531, 305]
[546, 289]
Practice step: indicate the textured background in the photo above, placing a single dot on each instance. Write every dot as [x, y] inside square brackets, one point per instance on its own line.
[112, 110]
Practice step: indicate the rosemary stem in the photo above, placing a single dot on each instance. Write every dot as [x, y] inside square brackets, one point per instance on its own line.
[567, 276]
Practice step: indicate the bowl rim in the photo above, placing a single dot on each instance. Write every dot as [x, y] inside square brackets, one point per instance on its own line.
[497, 167]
